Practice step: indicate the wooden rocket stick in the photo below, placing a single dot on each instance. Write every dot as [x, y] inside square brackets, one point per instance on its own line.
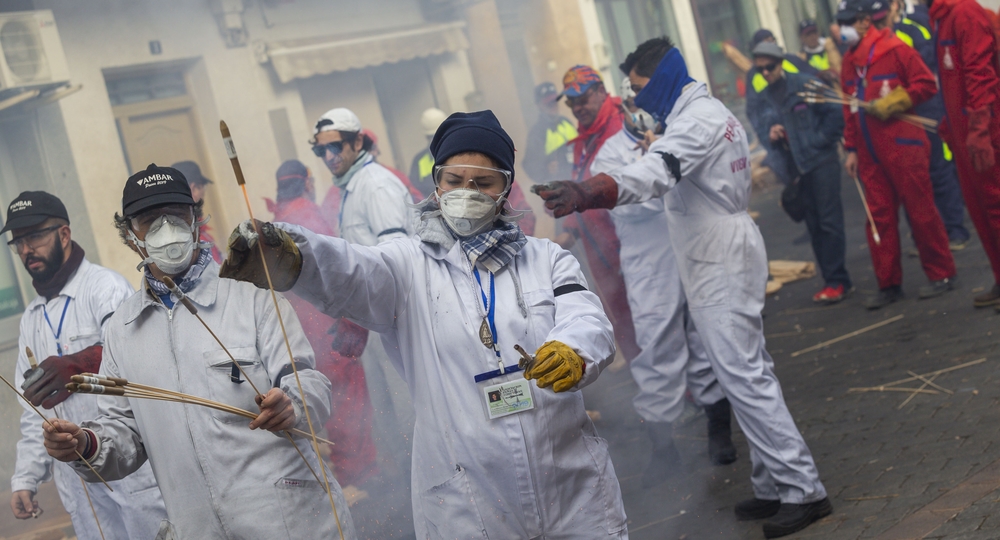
[234, 159]
[871, 220]
[186, 302]
[83, 459]
[31, 357]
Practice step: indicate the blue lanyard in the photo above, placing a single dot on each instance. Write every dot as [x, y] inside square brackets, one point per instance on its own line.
[57, 333]
[491, 307]
[863, 74]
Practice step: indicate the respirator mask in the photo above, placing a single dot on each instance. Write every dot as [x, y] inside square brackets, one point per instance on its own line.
[170, 239]
[849, 36]
[469, 211]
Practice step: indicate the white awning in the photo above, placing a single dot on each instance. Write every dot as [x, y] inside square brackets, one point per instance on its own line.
[303, 58]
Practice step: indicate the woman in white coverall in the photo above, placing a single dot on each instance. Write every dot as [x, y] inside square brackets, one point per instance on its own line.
[672, 358]
[494, 455]
[702, 164]
[220, 478]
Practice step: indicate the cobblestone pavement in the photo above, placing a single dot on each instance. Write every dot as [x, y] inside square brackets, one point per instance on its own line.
[883, 465]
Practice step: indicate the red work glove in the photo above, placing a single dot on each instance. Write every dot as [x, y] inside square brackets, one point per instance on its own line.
[564, 197]
[944, 131]
[978, 141]
[349, 339]
[50, 390]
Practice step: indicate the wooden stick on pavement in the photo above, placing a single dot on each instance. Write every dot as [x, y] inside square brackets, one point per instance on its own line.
[846, 336]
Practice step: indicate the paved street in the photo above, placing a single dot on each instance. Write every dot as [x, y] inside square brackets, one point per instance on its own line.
[890, 471]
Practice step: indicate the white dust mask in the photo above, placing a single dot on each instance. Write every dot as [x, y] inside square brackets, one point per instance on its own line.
[468, 212]
[169, 244]
[849, 36]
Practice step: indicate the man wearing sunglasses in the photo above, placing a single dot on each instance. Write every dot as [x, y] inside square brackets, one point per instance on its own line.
[810, 132]
[373, 202]
[63, 326]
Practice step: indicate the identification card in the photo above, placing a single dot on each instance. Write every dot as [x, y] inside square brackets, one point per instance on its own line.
[854, 106]
[508, 398]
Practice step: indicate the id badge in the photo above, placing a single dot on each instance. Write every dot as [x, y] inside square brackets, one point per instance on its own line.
[507, 398]
[854, 106]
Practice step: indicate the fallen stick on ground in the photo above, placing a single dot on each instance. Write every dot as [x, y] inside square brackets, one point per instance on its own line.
[891, 389]
[846, 336]
[872, 497]
[930, 382]
[914, 394]
[938, 372]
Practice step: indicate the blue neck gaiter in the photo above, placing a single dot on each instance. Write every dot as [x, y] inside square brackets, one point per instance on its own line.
[665, 86]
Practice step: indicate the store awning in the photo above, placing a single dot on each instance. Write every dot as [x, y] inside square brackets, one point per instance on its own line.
[302, 58]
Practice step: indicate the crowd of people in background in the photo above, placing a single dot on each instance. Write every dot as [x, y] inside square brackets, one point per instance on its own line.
[393, 276]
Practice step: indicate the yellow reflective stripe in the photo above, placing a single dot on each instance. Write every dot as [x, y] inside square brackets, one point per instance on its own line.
[923, 30]
[759, 83]
[947, 152]
[904, 37]
[426, 165]
[555, 139]
[789, 67]
[820, 61]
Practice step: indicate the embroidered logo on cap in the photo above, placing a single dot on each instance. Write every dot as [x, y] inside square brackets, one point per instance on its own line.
[17, 206]
[152, 180]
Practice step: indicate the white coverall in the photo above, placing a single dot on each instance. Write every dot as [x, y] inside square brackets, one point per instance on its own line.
[723, 267]
[219, 479]
[541, 473]
[669, 342]
[135, 508]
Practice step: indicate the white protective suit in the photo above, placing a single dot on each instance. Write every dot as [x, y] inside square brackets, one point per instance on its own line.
[373, 206]
[135, 508]
[219, 479]
[723, 267]
[669, 342]
[541, 473]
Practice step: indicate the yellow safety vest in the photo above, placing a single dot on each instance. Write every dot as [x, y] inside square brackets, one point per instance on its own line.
[760, 83]
[820, 61]
[555, 139]
[905, 38]
[426, 165]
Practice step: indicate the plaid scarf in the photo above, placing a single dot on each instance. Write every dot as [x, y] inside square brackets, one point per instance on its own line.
[185, 282]
[496, 247]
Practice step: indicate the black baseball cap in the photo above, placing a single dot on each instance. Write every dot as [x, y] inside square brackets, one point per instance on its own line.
[31, 208]
[192, 172]
[546, 92]
[155, 186]
[849, 10]
[807, 25]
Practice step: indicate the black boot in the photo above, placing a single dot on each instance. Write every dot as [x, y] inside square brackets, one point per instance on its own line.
[795, 517]
[665, 461]
[720, 433]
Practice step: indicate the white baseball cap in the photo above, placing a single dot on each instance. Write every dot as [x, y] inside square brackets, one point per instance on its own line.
[339, 119]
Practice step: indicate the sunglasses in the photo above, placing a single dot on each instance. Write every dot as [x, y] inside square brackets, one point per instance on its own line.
[769, 67]
[334, 147]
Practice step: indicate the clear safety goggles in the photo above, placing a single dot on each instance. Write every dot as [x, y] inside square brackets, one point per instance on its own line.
[33, 240]
[143, 221]
[488, 180]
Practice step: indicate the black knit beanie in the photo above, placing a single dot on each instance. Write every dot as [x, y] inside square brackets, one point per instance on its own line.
[473, 132]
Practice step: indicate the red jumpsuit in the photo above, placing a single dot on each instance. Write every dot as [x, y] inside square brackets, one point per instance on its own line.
[350, 422]
[894, 157]
[967, 61]
[597, 231]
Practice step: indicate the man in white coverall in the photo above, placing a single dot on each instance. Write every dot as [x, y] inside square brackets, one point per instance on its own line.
[63, 327]
[672, 358]
[496, 453]
[702, 164]
[219, 477]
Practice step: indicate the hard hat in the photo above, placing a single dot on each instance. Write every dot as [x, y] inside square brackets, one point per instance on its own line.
[431, 119]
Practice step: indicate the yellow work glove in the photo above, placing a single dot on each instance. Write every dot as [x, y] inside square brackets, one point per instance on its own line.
[896, 101]
[556, 365]
[244, 262]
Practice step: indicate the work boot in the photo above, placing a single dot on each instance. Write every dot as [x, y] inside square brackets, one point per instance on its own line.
[720, 433]
[885, 297]
[795, 517]
[752, 509]
[987, 299]
[957, 244]
[936, 288]
[665, 460]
